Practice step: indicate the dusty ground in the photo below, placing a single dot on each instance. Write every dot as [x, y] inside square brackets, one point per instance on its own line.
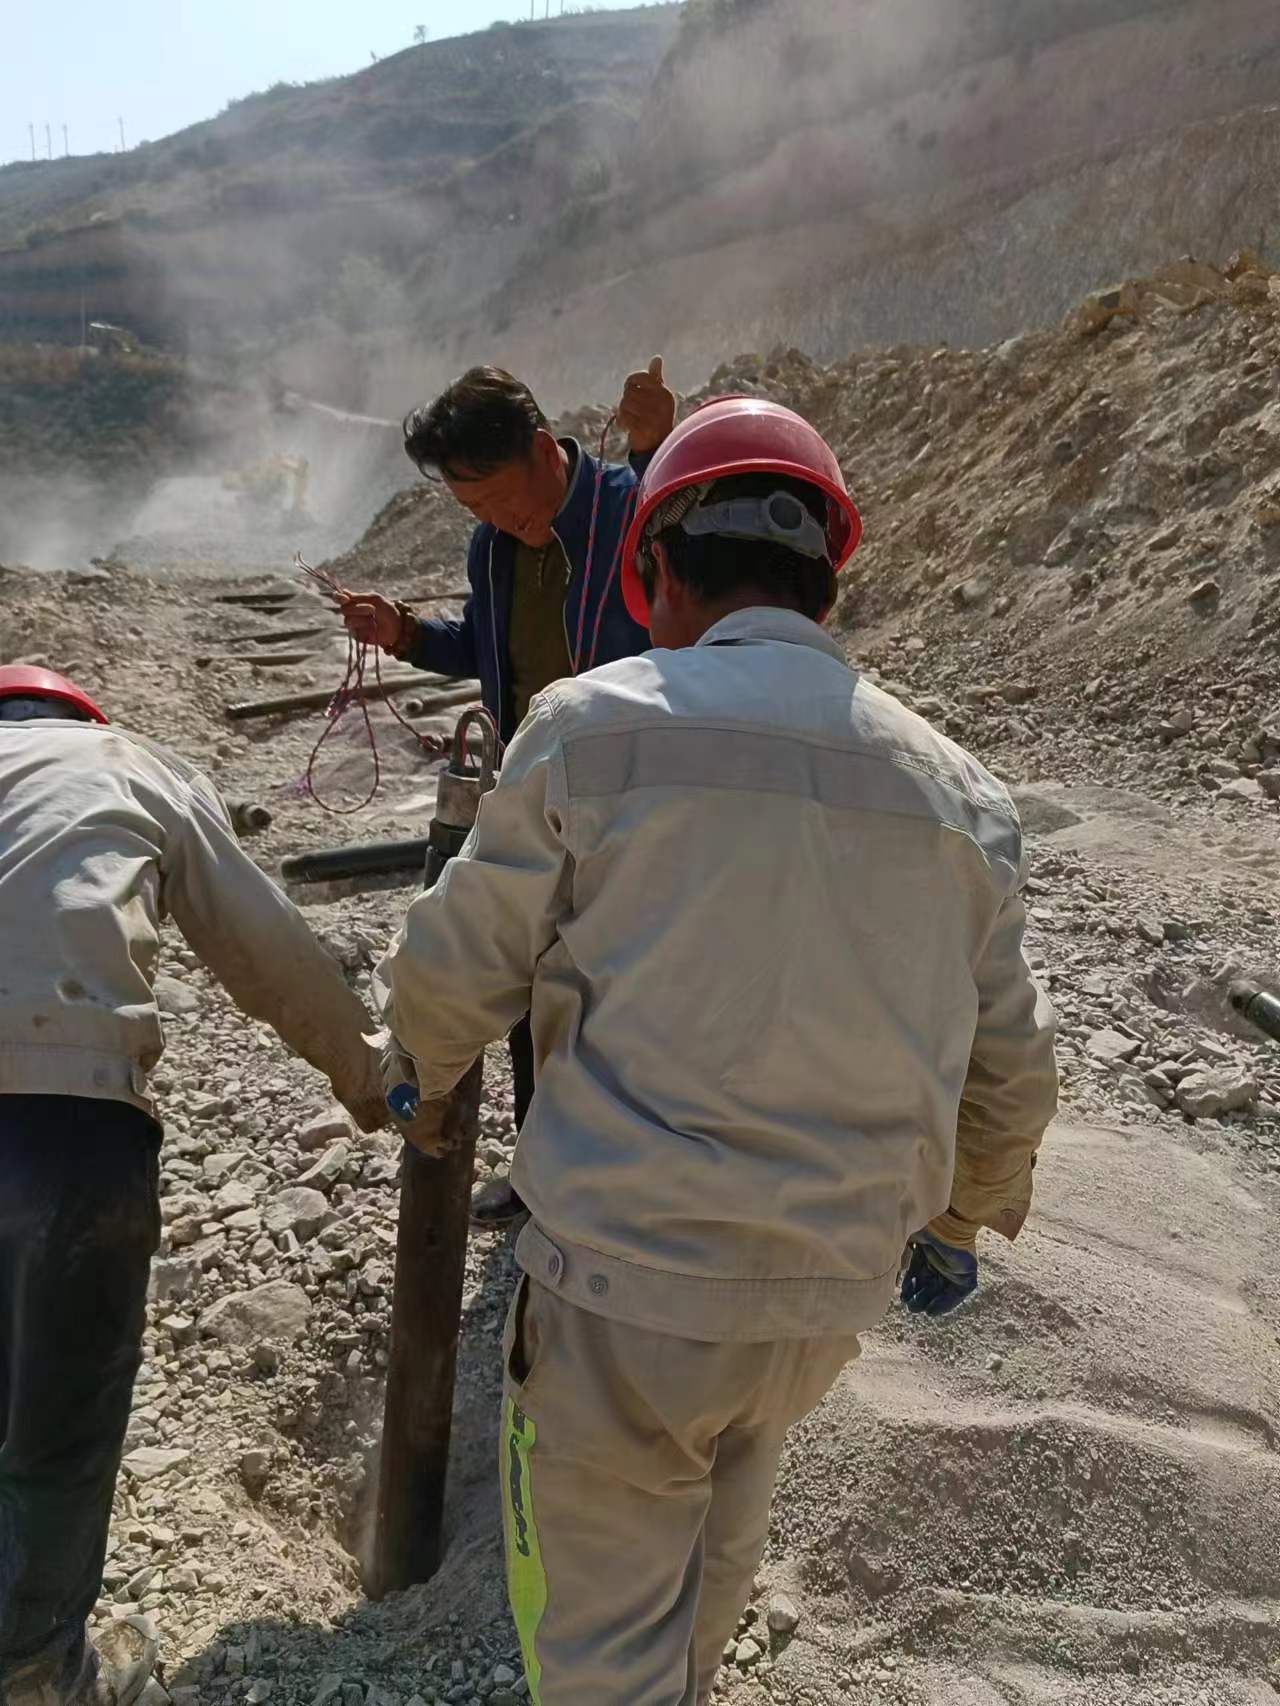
[1070, 1493]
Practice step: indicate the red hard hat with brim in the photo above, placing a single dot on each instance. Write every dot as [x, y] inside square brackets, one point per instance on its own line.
[27, 681]
[739, 435]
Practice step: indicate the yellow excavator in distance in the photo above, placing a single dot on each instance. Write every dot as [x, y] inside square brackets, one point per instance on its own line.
[278, 483]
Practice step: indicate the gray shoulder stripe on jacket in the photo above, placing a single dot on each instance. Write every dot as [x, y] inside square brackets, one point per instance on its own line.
[842, 778]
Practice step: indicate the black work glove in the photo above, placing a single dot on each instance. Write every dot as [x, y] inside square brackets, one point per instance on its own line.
[938, 1277]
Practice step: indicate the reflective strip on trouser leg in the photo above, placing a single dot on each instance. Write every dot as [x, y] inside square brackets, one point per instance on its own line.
[526, 1578]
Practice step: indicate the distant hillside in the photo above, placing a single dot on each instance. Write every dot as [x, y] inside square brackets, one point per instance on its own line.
[567, 197]
[834, 172]
[313, 208]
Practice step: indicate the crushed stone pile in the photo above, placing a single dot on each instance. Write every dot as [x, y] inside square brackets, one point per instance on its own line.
[1069, 1495]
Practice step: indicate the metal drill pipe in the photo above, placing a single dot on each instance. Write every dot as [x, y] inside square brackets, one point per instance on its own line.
[431, 1252]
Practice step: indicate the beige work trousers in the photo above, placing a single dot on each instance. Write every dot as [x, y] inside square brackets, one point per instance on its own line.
[637, 1470]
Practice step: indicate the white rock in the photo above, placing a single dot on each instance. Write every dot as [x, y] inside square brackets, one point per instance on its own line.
[328, 1170]
[149, 1462]
[218, 1167]
[783, 1615]
[232, 1199]
[275, 1313]
[173, 1278]
[747, 1653]
[174, 998]
[1111, 1047]
[332, 1126]
[1243, 789]
[298, 1210]
[1220, 1090]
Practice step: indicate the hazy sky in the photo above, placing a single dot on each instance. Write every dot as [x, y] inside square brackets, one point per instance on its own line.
[163, 64]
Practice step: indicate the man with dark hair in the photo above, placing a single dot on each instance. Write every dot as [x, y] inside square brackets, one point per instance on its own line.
[790, 1054]
[546, 598]
[714, 564]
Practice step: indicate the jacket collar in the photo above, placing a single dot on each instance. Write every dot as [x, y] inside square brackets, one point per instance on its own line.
[578, 457]
[573, 518]
[769, 622]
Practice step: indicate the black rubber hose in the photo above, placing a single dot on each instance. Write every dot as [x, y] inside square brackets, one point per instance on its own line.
[369, 859]
[1257, 1006]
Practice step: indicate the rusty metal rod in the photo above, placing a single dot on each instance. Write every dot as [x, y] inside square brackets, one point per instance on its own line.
[259, 660]
[431, 1255]
[426, 1319]
[321, 696]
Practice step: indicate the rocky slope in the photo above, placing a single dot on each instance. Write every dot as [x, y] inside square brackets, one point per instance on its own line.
[308, 209]
[827, 173]
[831, 175]
[1069, 1493]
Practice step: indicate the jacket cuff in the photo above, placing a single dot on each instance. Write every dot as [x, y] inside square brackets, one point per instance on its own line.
[408, 635]
[953, 1229]
[1001, 1207]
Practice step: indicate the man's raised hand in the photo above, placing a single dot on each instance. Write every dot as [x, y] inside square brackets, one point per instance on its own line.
[647, 411]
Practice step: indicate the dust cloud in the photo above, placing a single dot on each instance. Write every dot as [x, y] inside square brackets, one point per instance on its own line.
[322, 269]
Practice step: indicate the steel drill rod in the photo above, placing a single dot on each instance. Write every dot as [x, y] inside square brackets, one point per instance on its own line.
[426, 1320]
[317, 700]
[431, 1253]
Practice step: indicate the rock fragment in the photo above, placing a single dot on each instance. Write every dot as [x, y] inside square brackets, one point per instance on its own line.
[275, 1314]
[1220, 1090]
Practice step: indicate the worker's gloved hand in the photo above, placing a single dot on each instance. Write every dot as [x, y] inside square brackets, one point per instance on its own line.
[421, 1124]
[938, 1277]
[400, 1081]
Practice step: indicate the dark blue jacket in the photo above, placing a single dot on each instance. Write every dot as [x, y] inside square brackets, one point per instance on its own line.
[475, 643]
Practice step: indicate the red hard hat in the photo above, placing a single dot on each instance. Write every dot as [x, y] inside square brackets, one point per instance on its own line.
[26, 681]
[739, 435]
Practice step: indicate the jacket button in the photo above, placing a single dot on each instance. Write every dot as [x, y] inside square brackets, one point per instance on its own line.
[598, 1285]
[554, 1265]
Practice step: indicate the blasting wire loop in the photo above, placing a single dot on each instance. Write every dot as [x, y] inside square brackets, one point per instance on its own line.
[613, 573]
[352, 689]
[352, 683]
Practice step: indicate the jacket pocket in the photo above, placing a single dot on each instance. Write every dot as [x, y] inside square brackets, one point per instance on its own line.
[520, 1339]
